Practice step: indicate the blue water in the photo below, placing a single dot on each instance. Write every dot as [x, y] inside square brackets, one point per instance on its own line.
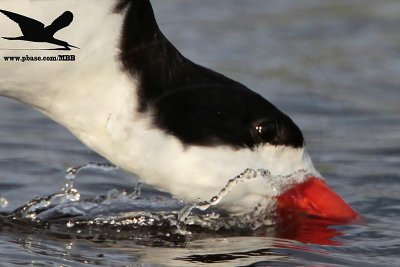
[332, 66]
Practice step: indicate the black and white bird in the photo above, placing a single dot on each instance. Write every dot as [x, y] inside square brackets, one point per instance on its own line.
[182, 128]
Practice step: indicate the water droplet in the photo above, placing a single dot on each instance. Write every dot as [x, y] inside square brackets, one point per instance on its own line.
[3, 202]
[73, 195]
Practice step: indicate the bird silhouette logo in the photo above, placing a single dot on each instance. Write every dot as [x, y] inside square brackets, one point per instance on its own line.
[35, 31]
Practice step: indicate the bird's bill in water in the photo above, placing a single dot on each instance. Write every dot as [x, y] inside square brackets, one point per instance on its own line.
[313, 198]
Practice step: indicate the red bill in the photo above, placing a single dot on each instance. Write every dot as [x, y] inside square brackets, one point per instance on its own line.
[314, 198]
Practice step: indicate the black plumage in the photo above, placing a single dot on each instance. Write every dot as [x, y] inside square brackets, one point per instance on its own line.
[197, 105]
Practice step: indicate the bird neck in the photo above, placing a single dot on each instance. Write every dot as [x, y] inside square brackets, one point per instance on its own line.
[84, 100]
[145, 51]
[84, 95]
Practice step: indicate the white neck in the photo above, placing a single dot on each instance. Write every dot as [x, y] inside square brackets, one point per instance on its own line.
[84, 95]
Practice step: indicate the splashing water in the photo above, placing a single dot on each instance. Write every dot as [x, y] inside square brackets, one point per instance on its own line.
[204, 205]
[3, 202]
[72, 172]
[120, 211]
[58, 201]
[261, 215]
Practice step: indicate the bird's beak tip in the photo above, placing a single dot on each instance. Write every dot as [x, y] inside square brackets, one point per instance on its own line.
[315, 198]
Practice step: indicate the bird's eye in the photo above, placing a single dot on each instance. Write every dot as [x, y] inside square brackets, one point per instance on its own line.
[266, 130]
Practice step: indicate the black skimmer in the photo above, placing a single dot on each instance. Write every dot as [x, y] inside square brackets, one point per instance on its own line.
[180, 127]
[35, 31]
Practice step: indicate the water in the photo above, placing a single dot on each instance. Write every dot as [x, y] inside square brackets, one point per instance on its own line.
[333, 66]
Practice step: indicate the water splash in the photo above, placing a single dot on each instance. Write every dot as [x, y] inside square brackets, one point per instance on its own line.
[262, 213]
[3, 202]
[248, 174]
[146, 214]
[72, 172]
[40, 208]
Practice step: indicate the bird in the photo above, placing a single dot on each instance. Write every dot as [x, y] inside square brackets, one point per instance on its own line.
[35, 31]
[182, 128]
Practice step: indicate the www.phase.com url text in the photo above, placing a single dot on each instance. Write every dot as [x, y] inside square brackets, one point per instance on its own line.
[27, 58]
